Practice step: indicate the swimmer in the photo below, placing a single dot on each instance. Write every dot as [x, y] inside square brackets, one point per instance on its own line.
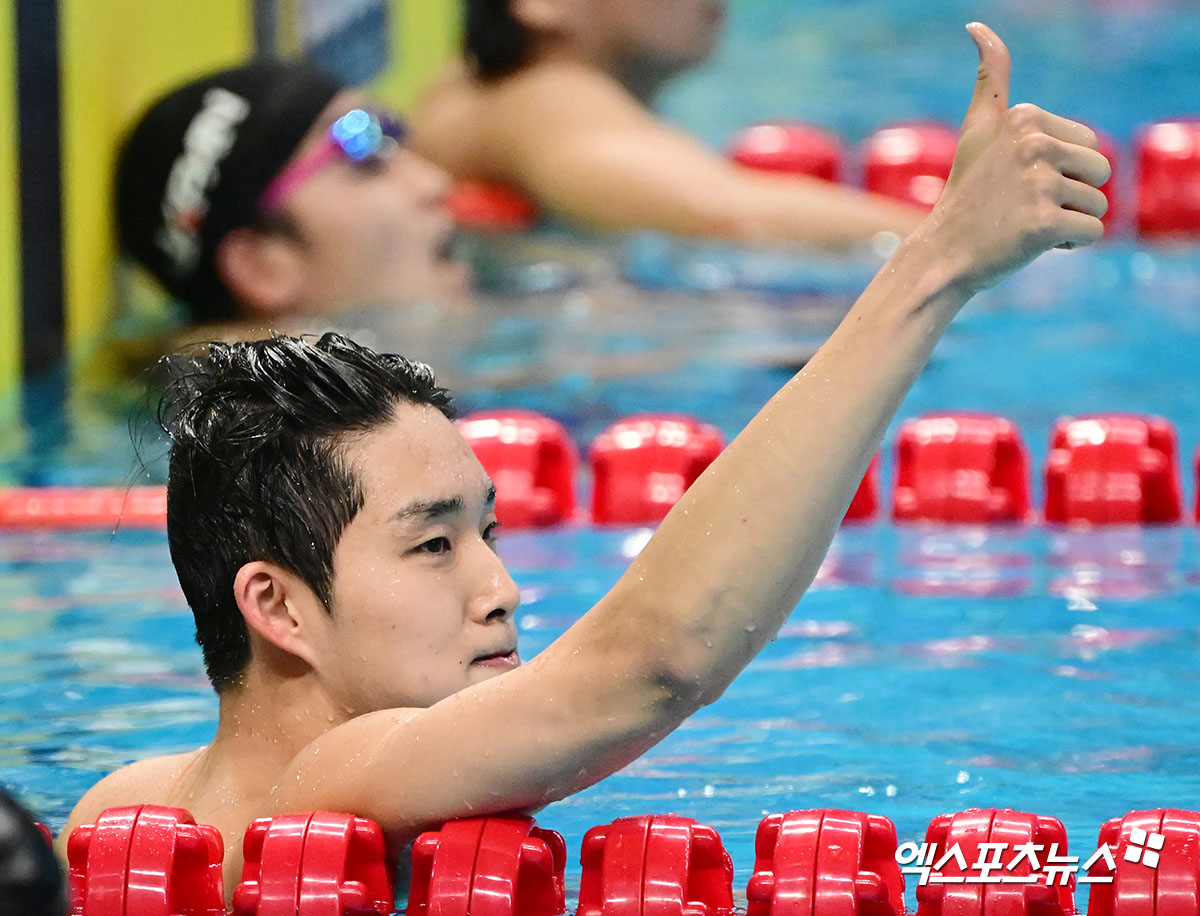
[334, 537]
[239, 194]
[553, 98]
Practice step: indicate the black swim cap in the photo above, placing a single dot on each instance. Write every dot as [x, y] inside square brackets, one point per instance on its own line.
[195, 164]
[31, 881]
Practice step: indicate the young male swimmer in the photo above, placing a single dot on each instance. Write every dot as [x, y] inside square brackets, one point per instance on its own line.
[333, 534]
[273, 191]
[553, 98]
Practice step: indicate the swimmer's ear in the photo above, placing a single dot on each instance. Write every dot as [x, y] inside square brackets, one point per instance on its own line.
[280, 609]
[263, 271]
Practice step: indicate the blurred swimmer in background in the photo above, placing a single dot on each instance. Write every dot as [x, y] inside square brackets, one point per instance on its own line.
[553, 98]
[273, 191]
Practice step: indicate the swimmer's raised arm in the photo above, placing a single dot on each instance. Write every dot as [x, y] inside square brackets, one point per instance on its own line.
[578, 143]
[733, 557]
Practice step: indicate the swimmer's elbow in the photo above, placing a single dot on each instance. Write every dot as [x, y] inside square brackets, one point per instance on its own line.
[695, 672]
[682, 691]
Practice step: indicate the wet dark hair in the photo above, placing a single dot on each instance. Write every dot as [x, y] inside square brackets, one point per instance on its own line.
[31, 881]
[256, 468]
[494, 41]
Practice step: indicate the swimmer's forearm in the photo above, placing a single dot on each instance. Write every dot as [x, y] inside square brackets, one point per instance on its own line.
[669, 183]
[734, 556]
[764, 207]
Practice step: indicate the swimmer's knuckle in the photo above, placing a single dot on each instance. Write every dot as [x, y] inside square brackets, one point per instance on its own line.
[1025, 116]
[1034, 146]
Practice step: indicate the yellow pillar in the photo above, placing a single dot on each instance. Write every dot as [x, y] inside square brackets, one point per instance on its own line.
[10, 240]
[425, 37]
[116, 58]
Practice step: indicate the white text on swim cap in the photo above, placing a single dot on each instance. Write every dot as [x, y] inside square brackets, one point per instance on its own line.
[185, 201]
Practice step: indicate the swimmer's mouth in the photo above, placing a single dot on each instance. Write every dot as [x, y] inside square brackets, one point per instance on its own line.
[507, 658]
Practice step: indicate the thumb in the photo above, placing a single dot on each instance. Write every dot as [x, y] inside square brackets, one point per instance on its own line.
[991, 85]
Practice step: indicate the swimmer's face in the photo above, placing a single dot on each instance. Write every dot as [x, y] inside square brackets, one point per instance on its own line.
[422, 606]
[371, 235]
[674, 34]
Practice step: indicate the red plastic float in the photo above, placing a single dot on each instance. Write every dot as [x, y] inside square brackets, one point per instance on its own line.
[1112, 188]
[156, 861]
[865, 503]
[317, 864]
[488, 866]
[825, 863]
[968, 884]
[532, 462]
[83, 507]
[1156, 855]
[145, 859]
[1113, 469]
[483, 206]
[795, 148]
[961, 468]
[655, 865]
[641, 465]
[1167, 155]
[910, 162]
[1197, 515]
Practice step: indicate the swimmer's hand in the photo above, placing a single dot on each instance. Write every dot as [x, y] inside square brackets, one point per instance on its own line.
[1024, 180]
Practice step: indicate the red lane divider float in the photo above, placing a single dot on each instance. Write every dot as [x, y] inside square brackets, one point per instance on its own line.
[655, 865]
[83, 507]
[488, 866]
[910, 162]
[978, 835]
[1166, 844]
[865, 502]
[972, 468]
[1167, 156]
[789, 147]
[314, 863]
[825, 863]
[148, 860]
[643, 464]
[1115, 213]
[1113, 469]
[532, 462]
[491, 207]
[961, 468]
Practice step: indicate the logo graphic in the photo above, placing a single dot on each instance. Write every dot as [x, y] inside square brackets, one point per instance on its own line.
[1143, 847]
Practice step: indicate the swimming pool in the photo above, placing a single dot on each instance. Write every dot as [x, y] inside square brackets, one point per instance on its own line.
[1070, 691]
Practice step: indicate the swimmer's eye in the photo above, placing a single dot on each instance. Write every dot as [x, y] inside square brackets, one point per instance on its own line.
[489, 533]
[435, 546]
[372, 165]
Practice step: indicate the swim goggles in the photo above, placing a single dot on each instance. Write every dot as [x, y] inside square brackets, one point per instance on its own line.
[359, 137]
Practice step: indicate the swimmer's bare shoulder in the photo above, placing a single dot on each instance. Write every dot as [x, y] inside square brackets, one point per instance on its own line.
[490, 130]
[151, 781]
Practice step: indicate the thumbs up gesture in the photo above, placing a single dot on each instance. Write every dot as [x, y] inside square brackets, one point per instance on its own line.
[1024, 180]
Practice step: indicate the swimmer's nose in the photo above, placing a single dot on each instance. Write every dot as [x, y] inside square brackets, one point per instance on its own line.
[431, 182]
[497, 595]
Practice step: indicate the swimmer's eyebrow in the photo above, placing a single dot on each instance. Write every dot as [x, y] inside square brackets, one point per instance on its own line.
[433, 510]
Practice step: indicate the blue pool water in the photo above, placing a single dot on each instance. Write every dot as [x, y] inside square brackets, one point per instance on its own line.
[931, 669]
